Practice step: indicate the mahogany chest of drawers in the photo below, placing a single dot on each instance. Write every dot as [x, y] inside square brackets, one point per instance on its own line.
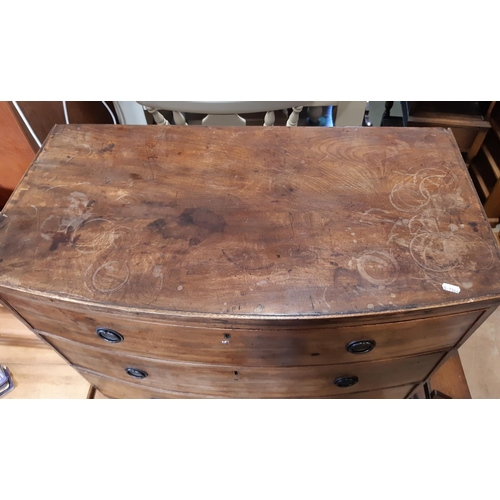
[166, 262]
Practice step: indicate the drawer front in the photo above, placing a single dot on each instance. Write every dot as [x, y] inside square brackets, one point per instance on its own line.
[117, 389]
[276, 347]
[240, 381]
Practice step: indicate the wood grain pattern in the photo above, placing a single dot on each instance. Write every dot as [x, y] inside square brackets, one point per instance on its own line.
[257, 347]
[294, 223]
[16, 154]
[14, 333]
[240, 262]
[450, 379]
[40, 373]
[249, 382]
[112, 388]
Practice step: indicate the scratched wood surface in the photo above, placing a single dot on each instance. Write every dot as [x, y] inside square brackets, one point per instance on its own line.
[112, 388]
[267, 223]
[249, 381]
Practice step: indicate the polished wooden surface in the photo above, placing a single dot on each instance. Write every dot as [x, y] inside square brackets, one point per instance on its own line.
[271, 222]
[255, 347]
[241, 263]
[111, 388]
[249, 381]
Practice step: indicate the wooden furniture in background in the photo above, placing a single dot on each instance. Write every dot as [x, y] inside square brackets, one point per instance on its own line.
[485, 168]
[468, 120]
[16, 154]
[17, 145]
[257, 262]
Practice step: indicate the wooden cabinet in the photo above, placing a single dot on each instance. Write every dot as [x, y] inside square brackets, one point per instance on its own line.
[468, 120]
[260, 262]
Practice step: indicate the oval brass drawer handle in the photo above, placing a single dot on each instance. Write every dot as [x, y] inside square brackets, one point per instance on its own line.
[346, 381]
[136, 373]
[109, 335]
[360, 346]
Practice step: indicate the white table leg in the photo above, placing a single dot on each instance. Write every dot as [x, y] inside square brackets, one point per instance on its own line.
[269, 119]
[179, 118]
[293, 119]
[158, 117]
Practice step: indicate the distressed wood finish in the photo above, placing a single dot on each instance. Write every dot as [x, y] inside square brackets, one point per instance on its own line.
[113, 388]
[263, 251]
[249, 381]
[159, 339]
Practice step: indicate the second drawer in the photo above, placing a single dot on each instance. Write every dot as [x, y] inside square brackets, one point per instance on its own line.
[249, 382]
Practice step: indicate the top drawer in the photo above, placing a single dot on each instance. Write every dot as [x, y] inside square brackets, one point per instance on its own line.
[244, 347]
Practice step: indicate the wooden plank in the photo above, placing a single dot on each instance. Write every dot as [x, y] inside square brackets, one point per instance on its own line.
[438, 120]
[249, 381]
[480, 180]
[495, 125]
[450, 379]
[491, 161]
[492, 205]
[476, 144]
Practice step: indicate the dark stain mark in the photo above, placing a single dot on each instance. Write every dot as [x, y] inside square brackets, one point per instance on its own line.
[1, 260]
[312, 303]
[334, 264]
[194, 225]
[291, 190]
[227, 335]
[107, 149]
[275, 201]
[179, 153]
[156, 225]
[228, 258]
[289, 270]
[473, 224]
[24, 224]
[315, 354]
[90, 203]
[203, 219]
[278, 256]
[170, 204]
[136, 177]
[62, 237]
[475, 229]
[236, 373]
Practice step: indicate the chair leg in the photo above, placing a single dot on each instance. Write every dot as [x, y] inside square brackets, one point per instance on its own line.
[293, 120]
[157, 116]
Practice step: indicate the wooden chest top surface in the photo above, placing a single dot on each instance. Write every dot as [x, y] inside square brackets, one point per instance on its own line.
[249, 222]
